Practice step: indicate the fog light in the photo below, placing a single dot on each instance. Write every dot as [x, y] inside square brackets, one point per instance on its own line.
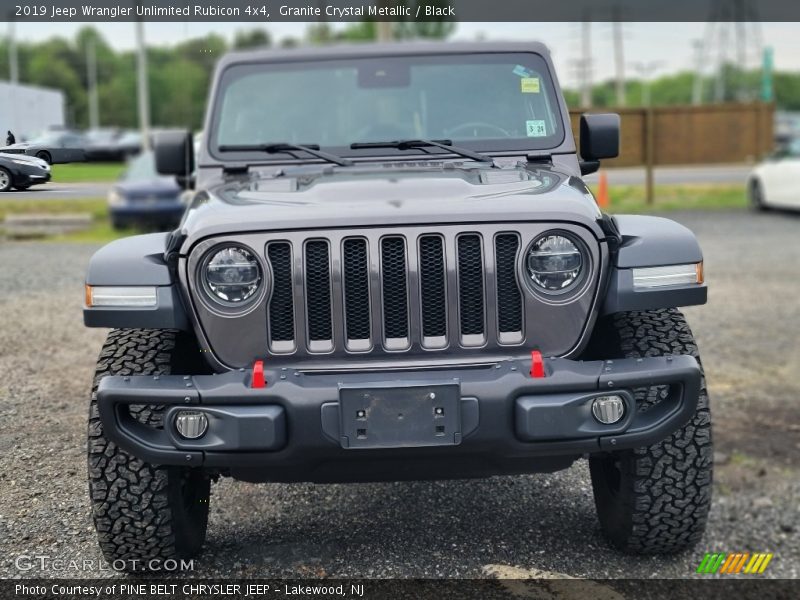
[608, 409]
[191, 424]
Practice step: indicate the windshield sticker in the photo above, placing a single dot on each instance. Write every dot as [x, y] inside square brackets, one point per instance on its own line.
[536, 128]
[530, 85]
[521, 71]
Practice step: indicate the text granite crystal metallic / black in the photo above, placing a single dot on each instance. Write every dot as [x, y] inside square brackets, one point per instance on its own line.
[402, 277]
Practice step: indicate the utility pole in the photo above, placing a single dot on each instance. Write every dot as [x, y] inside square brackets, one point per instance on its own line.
[586, 64]
[619, 57]
[13, 59]
[91, 79]
[13, 72]
[384, 31]
[141, 86]
[699, 58]
[645, 71]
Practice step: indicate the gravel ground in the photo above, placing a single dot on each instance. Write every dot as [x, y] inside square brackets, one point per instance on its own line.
[508, 527]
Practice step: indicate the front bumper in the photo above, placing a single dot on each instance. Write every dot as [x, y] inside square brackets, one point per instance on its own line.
[294, 428]
[27, 175]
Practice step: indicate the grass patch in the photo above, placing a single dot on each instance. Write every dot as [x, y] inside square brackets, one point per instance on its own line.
[97, 207]
[631, 198]
[87, 172]
[99, 233]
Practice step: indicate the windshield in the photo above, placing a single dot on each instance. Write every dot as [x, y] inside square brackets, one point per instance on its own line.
[502, 101]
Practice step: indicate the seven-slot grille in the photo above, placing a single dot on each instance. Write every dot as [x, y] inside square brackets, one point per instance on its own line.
[394, 292]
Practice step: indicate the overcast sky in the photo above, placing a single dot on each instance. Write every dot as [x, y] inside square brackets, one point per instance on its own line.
[669, 44]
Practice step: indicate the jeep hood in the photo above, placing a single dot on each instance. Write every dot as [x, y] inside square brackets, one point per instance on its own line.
[327, 197]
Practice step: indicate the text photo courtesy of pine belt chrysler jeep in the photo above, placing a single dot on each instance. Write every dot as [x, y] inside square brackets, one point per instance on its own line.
[391, 269]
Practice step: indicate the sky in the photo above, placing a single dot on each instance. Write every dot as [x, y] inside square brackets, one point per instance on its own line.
[658, 48]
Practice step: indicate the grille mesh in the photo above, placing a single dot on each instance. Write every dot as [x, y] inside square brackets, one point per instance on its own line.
[509, 298]
[432, 286]
[281, 306]
[470, 284]
[318, 290]
[356, 289]
[395, 287]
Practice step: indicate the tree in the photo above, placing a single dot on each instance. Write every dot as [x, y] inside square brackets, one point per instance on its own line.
[254, 38]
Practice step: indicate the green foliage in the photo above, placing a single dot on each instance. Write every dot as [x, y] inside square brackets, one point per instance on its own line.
[738, 86]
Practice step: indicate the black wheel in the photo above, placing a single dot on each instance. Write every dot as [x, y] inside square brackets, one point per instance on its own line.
[5, 180]
[45, 156]
[755, 191]
[654, 500]
[144, 512]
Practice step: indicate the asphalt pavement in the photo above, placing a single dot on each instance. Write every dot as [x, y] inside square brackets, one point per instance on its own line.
[676, 175]
[513, 527]
[59, 191]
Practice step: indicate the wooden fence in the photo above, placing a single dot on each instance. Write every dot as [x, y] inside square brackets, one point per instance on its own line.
[678, 135]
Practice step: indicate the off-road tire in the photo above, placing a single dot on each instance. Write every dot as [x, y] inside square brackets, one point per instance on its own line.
[654, 500]
[144, 512]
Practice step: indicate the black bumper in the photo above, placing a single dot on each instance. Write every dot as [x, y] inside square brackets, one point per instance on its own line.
[299, 426]
[28, 176]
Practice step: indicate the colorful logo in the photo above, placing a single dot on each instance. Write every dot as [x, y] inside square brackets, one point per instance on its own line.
[735, 563]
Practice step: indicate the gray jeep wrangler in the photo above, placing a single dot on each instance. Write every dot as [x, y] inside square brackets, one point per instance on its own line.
[391, 269]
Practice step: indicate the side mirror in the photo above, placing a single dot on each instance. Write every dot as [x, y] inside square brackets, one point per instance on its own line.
[599, 136]
[174, 153]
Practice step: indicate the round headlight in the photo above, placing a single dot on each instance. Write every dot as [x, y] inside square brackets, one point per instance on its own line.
[554, 263]
[232, 275]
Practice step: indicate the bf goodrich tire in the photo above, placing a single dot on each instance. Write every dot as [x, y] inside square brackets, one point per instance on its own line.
[144, 514]
[654, 500]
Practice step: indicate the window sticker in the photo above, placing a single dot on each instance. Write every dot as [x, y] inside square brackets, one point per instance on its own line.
[529, 85]
[521, 71]
[536, 128]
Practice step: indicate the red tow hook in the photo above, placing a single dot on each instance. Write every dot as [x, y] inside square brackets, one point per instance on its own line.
[258, 375]
[537, 364]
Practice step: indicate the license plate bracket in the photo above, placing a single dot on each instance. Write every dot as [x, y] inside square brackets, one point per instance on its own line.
[400, 416]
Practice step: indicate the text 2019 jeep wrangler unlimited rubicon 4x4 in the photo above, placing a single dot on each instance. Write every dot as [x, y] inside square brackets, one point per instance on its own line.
[391, 269]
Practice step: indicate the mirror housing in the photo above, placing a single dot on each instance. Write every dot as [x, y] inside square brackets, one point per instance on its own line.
[174, 154]
[599, 136]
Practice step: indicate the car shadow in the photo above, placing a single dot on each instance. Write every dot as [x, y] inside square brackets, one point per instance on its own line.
[418, 529]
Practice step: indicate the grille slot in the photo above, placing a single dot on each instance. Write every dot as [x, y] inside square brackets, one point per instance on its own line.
[395, 288]
[318, 292]
[356, 289]
[281, 306]
[509, 297]
[470, 288]
[433, 293]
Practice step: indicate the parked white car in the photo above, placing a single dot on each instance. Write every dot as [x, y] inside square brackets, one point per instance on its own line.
[775, 182]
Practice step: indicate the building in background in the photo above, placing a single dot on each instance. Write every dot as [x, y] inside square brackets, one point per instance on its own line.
[28, 109]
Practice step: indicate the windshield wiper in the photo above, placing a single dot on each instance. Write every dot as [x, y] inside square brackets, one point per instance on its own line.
[312, 149]
[411, 144]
